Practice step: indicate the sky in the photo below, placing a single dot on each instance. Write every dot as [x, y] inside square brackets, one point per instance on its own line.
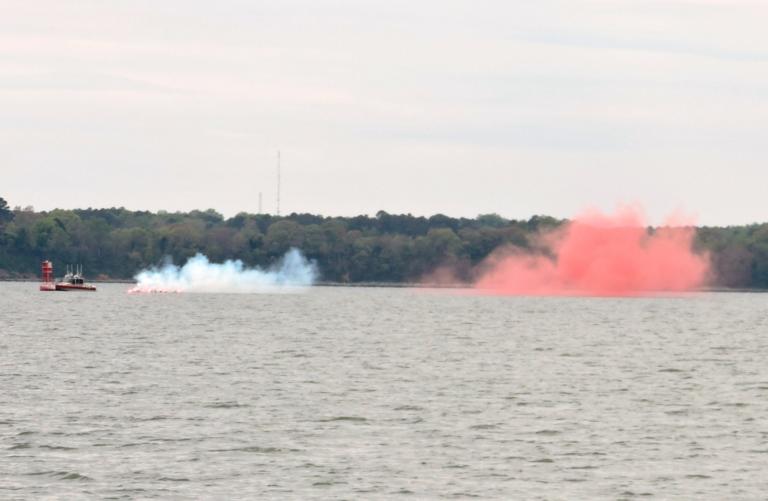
[430, 106]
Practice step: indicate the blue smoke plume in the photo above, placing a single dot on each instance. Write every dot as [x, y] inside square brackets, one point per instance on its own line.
[292, 272]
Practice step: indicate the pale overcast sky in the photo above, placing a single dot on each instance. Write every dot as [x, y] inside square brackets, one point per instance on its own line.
[458, 107]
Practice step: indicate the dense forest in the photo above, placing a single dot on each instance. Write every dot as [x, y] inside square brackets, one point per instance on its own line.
[116, 242]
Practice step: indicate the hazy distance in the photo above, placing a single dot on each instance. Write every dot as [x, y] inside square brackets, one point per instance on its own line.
[456, 107]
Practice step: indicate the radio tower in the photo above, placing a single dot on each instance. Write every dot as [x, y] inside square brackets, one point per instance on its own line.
[278, 182]
[259, 202]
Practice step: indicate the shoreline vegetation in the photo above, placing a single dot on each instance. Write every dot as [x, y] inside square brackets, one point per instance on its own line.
[385, 250]
[417, 285]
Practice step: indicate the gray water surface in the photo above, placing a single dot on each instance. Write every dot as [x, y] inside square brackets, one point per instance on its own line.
[381, 394]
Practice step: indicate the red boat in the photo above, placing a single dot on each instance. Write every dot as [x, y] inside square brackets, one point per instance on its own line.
[72, 281]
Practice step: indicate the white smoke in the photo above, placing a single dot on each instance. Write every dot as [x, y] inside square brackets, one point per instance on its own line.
[292, 272]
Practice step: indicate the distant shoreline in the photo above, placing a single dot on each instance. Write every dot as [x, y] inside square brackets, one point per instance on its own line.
[95, 281]
[385, 250]
[393, 285]
[382, 285]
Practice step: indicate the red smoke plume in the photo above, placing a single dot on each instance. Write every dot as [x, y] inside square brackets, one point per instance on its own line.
[601, 255]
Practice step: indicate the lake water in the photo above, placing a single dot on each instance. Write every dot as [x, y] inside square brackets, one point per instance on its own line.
[353, 393]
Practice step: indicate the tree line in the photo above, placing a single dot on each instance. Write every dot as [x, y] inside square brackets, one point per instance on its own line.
[116, 242]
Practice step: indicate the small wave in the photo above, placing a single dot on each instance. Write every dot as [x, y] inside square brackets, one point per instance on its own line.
[548, 433]
[409, 408]
[56, 447]
[22, 445]
[256, 449]
[345, 418]
[132, 444]
[70, 475]
[326, 483]
[153, 418]
[225, 405]
[162, 440]
[483, 427]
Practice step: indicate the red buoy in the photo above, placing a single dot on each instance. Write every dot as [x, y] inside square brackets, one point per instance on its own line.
[47, 284]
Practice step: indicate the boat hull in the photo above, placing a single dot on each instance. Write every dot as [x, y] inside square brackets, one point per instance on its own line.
[75, 287]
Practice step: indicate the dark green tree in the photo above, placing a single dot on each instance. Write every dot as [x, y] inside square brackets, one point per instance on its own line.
[6, 215]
